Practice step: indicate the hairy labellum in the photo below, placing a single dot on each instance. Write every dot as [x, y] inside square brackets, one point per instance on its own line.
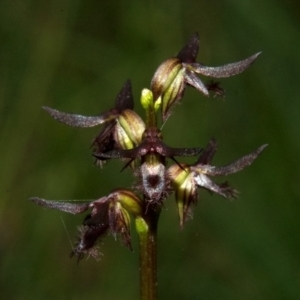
[87, 242]
[153, 179]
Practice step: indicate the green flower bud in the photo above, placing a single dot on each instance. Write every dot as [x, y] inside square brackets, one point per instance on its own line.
[150, 107]
[147, 99]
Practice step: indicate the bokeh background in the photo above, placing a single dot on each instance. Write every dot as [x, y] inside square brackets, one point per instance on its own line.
[75, 56]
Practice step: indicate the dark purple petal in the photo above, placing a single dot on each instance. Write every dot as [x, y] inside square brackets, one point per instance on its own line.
[224, 71]
[125, 99]
[144, 148]
[63, 206]
[132, 153]
[208, 153]
[234, 167]
[79, 120]
[99, 214]
[190, 51]
[167, 151]
[194, 81]
[105, 141]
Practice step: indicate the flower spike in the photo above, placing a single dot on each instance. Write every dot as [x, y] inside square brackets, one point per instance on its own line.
[139, 143]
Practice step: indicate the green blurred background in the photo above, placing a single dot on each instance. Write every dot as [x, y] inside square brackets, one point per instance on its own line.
[75, 56]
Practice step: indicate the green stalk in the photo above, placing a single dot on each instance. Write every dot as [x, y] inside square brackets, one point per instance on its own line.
[147, 232]
[146, 225]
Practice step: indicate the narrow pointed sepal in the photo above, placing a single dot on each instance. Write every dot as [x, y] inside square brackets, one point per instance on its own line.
[192, 80]
[234, 167]
[190, 51]
[202, 170]
[208, 153]
[226, 70]
[76, 120]
[203, 181]
[73, 208]
[124, 99]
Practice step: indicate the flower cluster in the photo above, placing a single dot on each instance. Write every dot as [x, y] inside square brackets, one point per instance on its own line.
[139, 143]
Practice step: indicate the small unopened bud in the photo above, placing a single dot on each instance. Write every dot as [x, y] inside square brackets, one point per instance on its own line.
[147, 99]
